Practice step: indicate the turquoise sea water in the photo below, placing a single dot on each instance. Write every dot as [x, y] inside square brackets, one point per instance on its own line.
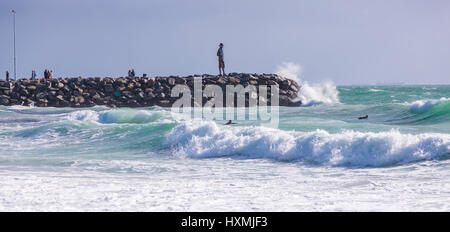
[321, 157]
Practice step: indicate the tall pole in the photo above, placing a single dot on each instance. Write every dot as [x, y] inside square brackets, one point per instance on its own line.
[14, 26]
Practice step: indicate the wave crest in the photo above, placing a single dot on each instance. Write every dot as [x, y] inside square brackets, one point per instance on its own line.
[421, 106]
[349, 148]
[115, 116]
[83, 115]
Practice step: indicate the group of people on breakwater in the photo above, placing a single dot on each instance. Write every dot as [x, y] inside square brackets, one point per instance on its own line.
[131, 73]
[48, 74]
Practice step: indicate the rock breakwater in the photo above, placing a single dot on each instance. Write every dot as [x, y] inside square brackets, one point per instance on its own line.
[135, 91]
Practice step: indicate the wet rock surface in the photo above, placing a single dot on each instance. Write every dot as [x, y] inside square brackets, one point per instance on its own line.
[139, 91]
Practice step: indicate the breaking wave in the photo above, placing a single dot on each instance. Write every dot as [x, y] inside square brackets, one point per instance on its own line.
[324, 93]
[115, 116]
[349, 148]
[421, 106]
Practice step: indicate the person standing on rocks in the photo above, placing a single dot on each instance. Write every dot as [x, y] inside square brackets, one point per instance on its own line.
[33, 75]
[221, 62]
[7, 76]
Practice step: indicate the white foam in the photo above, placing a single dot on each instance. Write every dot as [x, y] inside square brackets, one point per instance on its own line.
[21, 107]
[226, 185]
[207, 139]
[83, 115]
[115, 116]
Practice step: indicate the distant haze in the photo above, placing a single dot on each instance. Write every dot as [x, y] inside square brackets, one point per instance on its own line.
[346, 41]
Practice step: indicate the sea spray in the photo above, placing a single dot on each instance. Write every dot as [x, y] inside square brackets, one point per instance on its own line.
[309, 94]
[323, 93]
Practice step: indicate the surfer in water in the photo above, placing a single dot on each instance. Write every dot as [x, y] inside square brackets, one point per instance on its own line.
[230, 122]
[221, 62]
[364, 117]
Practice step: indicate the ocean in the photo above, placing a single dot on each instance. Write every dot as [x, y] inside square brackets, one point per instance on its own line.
[319, 158]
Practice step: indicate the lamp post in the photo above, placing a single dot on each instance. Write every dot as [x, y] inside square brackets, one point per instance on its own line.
[14, 26]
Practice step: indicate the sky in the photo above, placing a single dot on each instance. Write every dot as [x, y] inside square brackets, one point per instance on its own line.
[343, 41]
